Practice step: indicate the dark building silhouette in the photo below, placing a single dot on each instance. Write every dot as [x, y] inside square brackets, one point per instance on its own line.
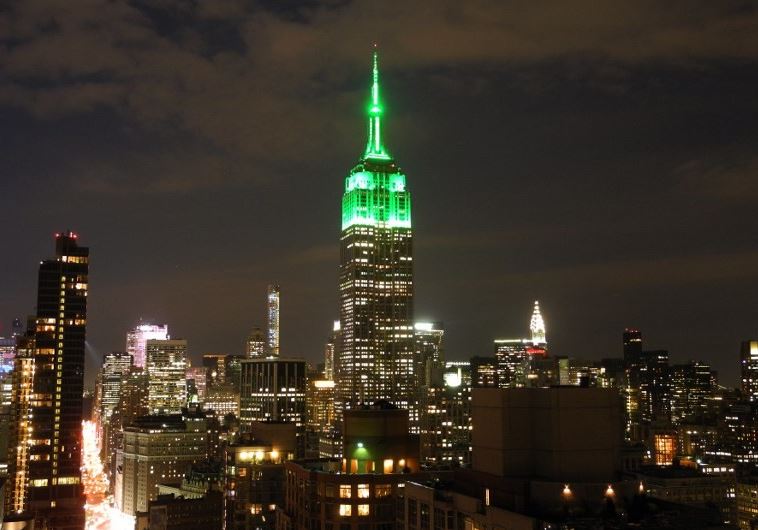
[632, 346]
[484, 372]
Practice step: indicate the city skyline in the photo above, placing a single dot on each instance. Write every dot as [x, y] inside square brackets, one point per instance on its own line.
[505, 143]
[536, 307]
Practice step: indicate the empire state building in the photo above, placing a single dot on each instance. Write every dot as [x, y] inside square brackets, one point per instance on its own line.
[375, 355]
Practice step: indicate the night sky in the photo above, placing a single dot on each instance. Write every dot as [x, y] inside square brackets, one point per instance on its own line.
[600, 156]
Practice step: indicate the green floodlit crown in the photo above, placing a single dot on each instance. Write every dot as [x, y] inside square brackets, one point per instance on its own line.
[375, 193]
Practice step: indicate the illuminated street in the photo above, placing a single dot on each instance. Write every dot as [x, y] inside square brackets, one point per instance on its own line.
[100, 512]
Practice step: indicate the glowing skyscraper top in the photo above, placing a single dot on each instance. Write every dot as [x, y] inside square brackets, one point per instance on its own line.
[375, 191]
[137, 338]
[537, 326]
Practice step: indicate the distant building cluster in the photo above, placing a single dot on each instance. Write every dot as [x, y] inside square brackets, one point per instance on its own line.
[385, 434]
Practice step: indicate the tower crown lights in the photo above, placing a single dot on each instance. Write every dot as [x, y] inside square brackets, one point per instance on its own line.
[537, 325]
[375, 190]
[374, 147]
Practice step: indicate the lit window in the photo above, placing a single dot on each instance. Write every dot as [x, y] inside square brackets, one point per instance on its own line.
[345, 491]
[363, 491]
[346, 510]
[383, 490]
[389, 465]
[363, 509]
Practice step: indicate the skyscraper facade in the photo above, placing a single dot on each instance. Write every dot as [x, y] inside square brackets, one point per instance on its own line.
[632, 349]
[273, 390]
[445, 432]
[330, 348]
[7, 356]
[376, 350]
[319, 400]
[255, 345]
[272, 306]
[655, 386]
[132, 404]
[7, 352]
[484, 372]
[215, 365]
[53, 488]
[429, 356]
[167, 376]
[632, 346]
[512, 362]
[749, 369]
[17, 489]
[157, 448]
[137, 338]
[116, 367]
[691, 390]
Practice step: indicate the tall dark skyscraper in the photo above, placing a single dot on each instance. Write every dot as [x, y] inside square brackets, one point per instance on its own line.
[17, 328]
[632, 346]
[375, 358]
[53, 489]
[692, 386]
[655, 386]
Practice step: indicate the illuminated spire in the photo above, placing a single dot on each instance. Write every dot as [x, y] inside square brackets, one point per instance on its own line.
[374, 146]
[537, 326]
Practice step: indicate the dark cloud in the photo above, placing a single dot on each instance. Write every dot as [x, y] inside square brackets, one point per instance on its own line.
[597, 155]
[163, 65]
[730, 180]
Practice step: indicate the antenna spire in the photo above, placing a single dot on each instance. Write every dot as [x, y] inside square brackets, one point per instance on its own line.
[374, 146]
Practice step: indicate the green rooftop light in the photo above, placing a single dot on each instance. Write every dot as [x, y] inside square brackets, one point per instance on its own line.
[375, 191]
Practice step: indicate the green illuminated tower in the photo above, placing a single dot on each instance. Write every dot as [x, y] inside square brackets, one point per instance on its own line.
[375, 359]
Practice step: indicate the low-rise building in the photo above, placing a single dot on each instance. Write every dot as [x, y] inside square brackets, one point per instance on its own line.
[319, 495]
[254, 475]
[360, 491]
[157, 449]
[747, 503]
[169, 512]
[689, 486]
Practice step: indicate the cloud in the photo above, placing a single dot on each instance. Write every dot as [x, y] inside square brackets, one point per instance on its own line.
[731, 180]
[665, 272]
[315, 255]
[262, 85]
